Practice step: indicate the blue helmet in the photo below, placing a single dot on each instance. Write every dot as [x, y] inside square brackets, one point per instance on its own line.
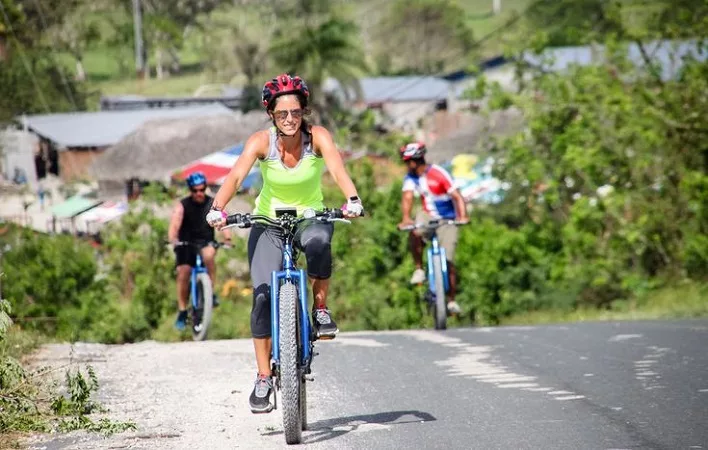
[195, 179]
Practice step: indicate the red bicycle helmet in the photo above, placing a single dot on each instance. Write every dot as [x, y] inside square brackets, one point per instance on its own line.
[414, 150]
[283, 84]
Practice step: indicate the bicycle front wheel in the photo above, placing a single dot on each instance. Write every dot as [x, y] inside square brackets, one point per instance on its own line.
[205, 301]
[440, 304]
[290, 377]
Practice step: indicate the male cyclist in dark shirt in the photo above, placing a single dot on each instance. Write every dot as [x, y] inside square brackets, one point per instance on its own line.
[188, 224]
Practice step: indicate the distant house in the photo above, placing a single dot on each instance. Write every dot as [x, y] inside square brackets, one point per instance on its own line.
[666, 54]
[404, 99]
[454, 131]
[472, 132]
[75, 140]
[231, 99]
[157, 149]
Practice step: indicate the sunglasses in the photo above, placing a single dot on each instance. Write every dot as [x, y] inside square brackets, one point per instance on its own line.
[283, 114]
[198, 190]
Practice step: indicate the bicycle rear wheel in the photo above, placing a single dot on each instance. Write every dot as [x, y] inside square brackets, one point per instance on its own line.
[205, 302]
[290, 376]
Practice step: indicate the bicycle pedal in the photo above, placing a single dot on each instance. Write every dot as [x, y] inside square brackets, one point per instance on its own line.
[326, 337]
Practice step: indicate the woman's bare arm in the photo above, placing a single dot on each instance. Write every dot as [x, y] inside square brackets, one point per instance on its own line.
[333, 160]
[255, 148]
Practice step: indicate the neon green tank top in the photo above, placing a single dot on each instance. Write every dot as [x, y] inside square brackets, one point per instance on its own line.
[299, 187]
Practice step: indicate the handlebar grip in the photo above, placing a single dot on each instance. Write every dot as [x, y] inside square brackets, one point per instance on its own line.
[337, 213]
[234, 219]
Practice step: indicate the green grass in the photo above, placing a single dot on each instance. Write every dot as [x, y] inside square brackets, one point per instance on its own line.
[689, 300]
[20, 343]
[110, 71]
[481, 18]
[172, 86]
[230, 320]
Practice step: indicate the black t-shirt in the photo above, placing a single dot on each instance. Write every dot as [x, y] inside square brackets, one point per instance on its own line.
[194, 225]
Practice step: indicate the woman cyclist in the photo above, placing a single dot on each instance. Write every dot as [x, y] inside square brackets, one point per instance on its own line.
[292, 155]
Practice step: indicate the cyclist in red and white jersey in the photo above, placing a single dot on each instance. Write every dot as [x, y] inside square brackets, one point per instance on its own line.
[440, 200]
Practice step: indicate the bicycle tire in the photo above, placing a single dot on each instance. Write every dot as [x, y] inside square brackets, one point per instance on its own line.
[206, 302]
[303, 404]
[440, 304]
[290, 376]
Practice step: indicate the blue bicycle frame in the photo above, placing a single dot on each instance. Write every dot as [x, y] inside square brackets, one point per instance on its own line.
[292, 274]
[435, 250]
[196, 270]
[288, 274]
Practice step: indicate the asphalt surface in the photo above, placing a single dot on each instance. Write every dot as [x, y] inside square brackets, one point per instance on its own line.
[611, 385]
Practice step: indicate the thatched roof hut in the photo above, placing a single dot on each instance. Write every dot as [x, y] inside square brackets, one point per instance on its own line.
[159, 147]
[474, 132]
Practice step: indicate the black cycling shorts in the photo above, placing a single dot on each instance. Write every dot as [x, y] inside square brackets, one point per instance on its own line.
[187, 254]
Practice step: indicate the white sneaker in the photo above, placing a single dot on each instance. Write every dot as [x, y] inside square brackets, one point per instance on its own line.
[418, 276]
[453, 308]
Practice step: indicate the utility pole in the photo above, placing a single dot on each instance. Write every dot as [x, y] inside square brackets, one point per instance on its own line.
[496, 6]
[138, 28]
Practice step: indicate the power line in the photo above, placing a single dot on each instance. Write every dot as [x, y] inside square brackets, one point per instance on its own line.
[474, 45]
[64, 81]
[23, 56]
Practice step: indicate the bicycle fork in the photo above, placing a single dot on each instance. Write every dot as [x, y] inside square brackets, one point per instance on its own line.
[435, 250]
[305, 330]
[276, 280]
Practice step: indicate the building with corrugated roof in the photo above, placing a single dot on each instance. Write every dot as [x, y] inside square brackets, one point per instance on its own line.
[72, 141]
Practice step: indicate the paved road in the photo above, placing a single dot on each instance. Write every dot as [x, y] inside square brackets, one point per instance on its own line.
[578, 386]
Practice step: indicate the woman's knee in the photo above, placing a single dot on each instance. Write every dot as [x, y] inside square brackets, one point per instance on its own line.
[260, 312]
[317, 240]
[318, 251]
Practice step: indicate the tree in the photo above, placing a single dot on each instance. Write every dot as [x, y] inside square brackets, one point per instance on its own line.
[31, 83]
[236, 47]
[29, 19]
[75, 34]
[31, 80]
[579, 22]
[167, 21]
[330, 49]
[424, 36]
[611, 174]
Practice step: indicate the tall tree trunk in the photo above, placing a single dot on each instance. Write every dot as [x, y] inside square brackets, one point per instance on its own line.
[80, 72]
[176, 63]
[496, 6]
[158, 63]
[3, 47]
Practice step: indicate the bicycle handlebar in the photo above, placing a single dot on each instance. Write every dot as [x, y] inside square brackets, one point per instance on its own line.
[247, 220]
[215, 244]
[436, 223]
